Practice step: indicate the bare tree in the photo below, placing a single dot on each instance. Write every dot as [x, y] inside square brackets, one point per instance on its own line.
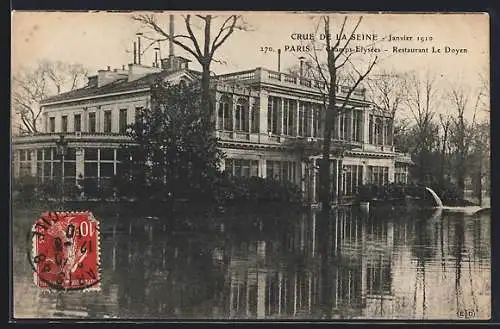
[336, 60]
[463, 101]
[484, 90]
[30, 86]
[403, 140]
[65, 76]
[445, 122]
[387, 90]
[481, 158]
[202, 49]
[422, 102]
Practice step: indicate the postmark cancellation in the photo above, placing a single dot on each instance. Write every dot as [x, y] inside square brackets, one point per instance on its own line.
[64, 251]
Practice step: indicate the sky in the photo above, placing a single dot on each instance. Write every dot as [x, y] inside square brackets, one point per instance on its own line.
[101, 39]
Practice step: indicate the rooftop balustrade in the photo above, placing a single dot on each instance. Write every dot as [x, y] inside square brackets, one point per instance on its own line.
[261, 75]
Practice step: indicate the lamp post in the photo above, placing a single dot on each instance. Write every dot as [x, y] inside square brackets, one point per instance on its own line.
[61, 146]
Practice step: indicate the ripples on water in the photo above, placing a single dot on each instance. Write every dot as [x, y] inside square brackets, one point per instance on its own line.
[398, 265]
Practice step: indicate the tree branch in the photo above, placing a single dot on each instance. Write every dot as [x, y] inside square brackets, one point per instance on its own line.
[230, 30]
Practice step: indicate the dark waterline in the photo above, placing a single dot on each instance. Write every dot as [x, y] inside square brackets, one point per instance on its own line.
[397, 265]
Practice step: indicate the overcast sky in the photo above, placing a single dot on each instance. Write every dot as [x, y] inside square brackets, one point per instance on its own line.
[99, 39]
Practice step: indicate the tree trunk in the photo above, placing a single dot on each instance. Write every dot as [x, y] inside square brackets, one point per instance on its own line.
[325, 192]
[326, 196]
[206, 105]
[443, 159]
[325, 237]
[461, 181]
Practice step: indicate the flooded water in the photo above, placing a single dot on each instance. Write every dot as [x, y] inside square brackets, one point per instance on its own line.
[297, 266]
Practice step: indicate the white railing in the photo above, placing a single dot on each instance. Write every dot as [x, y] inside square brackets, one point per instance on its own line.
[241, 76]
[261, 74]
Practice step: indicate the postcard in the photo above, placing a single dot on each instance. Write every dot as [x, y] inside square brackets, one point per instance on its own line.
[231, 166]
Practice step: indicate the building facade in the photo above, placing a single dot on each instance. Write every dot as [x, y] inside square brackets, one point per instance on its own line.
[269, 124]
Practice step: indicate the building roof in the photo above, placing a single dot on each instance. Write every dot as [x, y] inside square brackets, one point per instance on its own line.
[120, 85]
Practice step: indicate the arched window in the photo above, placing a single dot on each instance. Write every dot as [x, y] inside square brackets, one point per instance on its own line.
[224, 115]
[241, 115]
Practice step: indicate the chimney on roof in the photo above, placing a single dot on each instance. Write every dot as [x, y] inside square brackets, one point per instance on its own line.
[92, 81]
[136, 71]
[123, 67]
[279, 60]
[139, 47]
[175, 63]
[135, 53]
[301, 72]
[108, 76]
[171, 36]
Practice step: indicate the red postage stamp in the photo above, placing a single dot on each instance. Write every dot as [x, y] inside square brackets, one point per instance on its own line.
[65, 253]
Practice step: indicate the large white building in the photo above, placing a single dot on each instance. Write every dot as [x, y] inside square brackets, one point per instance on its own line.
[268, 122]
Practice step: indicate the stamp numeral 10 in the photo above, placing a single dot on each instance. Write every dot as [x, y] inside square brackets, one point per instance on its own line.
[86, 228]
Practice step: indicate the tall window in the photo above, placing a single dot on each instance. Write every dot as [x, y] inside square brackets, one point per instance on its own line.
[400, 173]
[335, 118]
[242, 167]
[52, 124]
[241, 115]
[64, 123]
[77, 121]
[255, 118]
[303, 114]
[315, 120]
[379, 131]
[107, 121]
[286, 117]
[48, 165]
[99, 165]
[92, 123]
[378, 175]
[123, 121]
[70, 165]
[357, 122]
[91, 169]
[355, 128]
[345, 119]
[352, 179]
[309, 119]
[224, 115]
[389, 132]
[370, 130]
[281, 170]
[289, 117]
[341, 125]
[46, 161]
[274, 115]
[24, 163]
[106, 163]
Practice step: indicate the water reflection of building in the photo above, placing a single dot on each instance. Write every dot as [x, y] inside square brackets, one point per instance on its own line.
[375, 272]
[270, 282]
[364, 246]
[263, 290]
